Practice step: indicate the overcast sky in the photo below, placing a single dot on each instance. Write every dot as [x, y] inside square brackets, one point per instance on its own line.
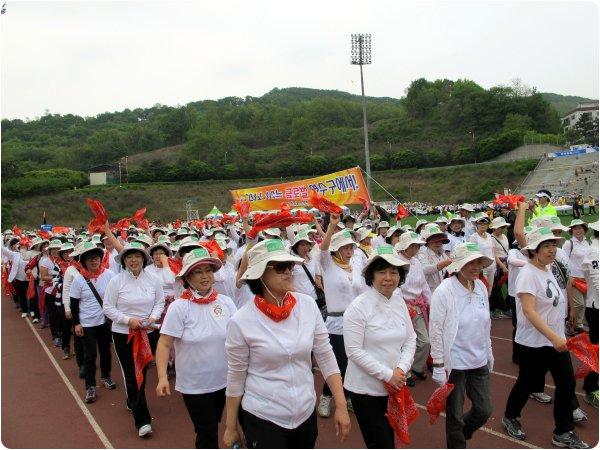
[91, 57]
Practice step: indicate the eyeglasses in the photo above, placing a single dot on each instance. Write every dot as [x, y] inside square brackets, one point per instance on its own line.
[281, 267]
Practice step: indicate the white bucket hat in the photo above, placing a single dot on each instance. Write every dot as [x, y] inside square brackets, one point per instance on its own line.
[38, 242]
[270, 233]
[442, 219]
[383, 224]
[67, 246]
[363, 233]
[162, 242]
[407, 239]
[392, 230]
[420, 223]
[133, 246]
[594, 225]
[55, 244]
[263, 253]
[305, 227]
[552, 222]
[302, 236]
[467, 207]
[479, 217]
[188, 242]
[458, 218]
[465, 253]
[340, 239]
[144, 239]
[431, 230]
[499, 222]
[539, 235]
[387, 253]
[89, 247]
[576, 222]
[196, 257]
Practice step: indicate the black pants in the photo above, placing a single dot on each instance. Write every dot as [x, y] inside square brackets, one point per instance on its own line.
[53, 316]
[206, 410]
[26, 306]
[96, 338]
[497, 301]
[66, 325]
[590, 382]
[460, 426]
[262, 433]
[374, 426]
[592, 209]
[136, 398]
[337, 345]
[533, 364]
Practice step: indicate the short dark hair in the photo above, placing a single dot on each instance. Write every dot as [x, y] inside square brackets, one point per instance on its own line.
[133, 250]
[256, 286]
[90, 254]
[376, 266]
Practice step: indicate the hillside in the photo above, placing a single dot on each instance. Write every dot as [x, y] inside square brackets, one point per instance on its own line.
[564, 103]
[166, 201]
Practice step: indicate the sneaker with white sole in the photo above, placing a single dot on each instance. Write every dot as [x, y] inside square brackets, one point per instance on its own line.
[324, 408]
[90, 395]
[513, 428]
[579, 415]
[31, 313]
[23, 315]
[541, 397]
[109, 383]
[35, 320]
[145, 430]
[568, 440]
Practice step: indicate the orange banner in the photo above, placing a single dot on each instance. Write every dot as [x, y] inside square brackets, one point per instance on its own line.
[343, 188]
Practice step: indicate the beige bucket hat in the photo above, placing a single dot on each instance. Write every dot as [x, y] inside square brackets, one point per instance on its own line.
[499, 222]
[594, 225]
[55, 244]
[302, 236]
[340, 239]
[407, 239]
[363, 233]
[463, 254]
[467, 207]
[197, 257]
[387, 253]
[133, 246]
[539, 235]
[431, 230]
[163, 242]
[263, 253]
[552, 222]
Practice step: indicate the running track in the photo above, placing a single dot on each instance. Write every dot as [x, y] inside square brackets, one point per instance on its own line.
[39, 408]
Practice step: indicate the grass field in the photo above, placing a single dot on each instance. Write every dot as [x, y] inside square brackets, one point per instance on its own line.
[166, 201]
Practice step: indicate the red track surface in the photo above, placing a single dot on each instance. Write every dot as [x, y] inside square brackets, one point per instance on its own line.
[38, 411]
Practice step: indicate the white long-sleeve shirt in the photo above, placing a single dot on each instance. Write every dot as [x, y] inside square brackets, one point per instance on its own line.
[68, 278]
[301, 281]
[17, 264]
[429, 260]
[166, 277]
[269, 362]
[225, 280]
[444, 320]
[590, 273]
[415, 284]
[378, 337]
[127, 296]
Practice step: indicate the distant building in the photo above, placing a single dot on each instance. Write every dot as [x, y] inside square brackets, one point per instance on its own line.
[104, 174]
[572, 117]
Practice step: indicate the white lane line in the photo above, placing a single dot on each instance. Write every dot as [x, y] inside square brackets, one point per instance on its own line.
[493, 432]
[86, 412]
[551, 386]
[501, 338]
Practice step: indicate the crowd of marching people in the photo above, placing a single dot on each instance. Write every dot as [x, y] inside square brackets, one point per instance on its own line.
[242, 312]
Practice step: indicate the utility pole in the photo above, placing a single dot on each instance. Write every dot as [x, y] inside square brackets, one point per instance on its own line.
[361, 54]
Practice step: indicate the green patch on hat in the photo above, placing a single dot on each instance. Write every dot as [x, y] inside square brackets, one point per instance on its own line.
[136, 244]
[346, 234]
[385, 250]
[472, 247]
[555, 219]
[545, 230]
[414, 235]
[200, 253]
[88, 245]
[274, 245]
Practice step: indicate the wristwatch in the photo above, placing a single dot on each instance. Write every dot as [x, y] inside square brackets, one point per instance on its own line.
[438, 364]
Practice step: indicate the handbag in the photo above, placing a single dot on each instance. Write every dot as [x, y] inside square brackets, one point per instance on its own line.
[581, 285]
[320, 294]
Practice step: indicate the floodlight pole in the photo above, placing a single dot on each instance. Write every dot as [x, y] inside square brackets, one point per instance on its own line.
[361, 54]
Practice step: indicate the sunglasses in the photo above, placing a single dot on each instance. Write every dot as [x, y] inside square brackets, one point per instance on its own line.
[281, 267]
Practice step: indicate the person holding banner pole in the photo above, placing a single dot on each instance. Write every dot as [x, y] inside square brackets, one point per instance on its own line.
[342, 282]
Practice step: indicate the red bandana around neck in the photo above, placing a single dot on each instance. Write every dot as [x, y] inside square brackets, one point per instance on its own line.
[274, 312]
[87, 274]
[189, 295]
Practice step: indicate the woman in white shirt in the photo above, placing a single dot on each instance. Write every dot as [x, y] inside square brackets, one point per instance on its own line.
[269, 345]
[455, 232]
[432, 255]
[461, 347]
[498, 303]
[17, 258]
[160, 254]
[195, 325]
[484, 241]
[342, 283]
[88, 317]
[48, 270]
[134, 301]
[380, 344]
[542, 346]
[302, 246]
[576, 249]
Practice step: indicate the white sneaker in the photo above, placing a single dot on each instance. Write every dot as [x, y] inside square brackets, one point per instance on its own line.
[324, 408]
[23, 314]
[145, 430]
[579, 415]
[31, 313]
[541, 397]
[35, 320]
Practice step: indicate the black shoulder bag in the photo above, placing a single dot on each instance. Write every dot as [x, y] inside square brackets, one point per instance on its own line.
[94, 291]
[320, 294]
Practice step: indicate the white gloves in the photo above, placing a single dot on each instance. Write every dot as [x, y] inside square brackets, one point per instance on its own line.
[439, 375]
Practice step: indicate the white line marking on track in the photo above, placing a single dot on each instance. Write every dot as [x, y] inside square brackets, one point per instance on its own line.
[493, 432]
[86, 412]
[501, 338]
[551, 386]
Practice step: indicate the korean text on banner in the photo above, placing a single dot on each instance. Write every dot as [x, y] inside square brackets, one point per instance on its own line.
[345, 187]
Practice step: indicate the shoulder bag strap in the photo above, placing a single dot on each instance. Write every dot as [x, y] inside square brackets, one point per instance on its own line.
[94, 291]
[501, 245]
[310, 277]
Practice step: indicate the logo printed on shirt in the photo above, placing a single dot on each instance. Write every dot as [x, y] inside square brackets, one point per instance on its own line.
[217, 312]
[552, 292]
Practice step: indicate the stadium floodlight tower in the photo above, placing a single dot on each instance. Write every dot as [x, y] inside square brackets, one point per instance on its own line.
[361, 55]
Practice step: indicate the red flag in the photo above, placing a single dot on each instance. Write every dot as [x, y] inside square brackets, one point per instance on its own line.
[242, 207]
[177, 224]
[140, 220]
[323, 204]
[175, 265]
[278, 220]
[585, 352]
[437, 402]
[213, 247]
[401, 212]
[123, 224]
[44, 234]
[17, 231]
[62, 230]
[98, 210]
[512, 200]
[30, 287]
[142, 354]
[401, 413]
[365, 204]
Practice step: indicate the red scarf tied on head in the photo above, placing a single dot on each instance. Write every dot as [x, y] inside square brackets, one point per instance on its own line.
[142, 354]
[274, 312]
[189, 295]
